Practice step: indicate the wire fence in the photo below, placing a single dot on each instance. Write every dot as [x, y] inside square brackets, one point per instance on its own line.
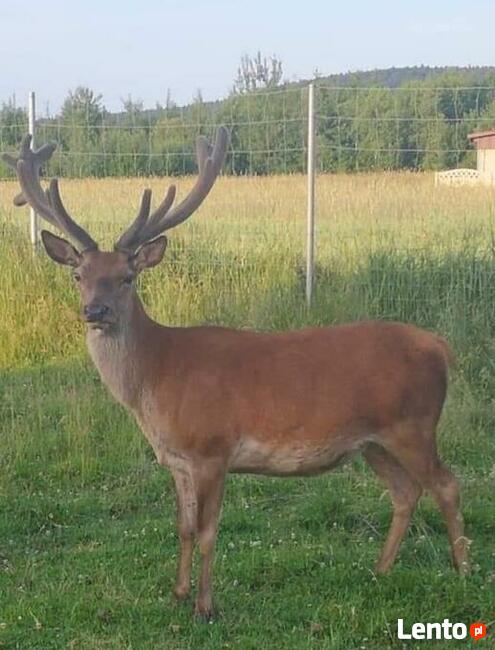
[414, 128]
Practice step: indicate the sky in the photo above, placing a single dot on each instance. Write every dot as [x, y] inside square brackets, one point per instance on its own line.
[122, 47]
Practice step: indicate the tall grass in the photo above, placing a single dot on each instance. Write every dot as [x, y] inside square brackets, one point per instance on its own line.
[389, 245]
[78, 485]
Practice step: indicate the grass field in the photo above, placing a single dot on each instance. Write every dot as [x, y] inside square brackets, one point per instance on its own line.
[87, 532]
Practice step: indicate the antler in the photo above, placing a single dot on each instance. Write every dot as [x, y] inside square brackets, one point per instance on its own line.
[48, 204]
[146, 227]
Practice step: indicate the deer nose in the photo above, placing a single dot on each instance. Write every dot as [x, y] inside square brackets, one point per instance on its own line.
[95, 313]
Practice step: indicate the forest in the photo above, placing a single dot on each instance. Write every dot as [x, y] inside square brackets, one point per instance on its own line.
[396, 119]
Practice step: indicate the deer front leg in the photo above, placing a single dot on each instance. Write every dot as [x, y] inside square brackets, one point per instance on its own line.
[210, 480]
[187, 515]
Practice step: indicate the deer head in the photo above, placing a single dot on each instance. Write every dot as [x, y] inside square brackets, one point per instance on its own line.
[106, 279]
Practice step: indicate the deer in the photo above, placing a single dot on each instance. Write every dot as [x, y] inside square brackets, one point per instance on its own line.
[212, 401]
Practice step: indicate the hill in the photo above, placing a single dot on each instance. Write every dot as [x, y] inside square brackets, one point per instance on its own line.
[395, 77]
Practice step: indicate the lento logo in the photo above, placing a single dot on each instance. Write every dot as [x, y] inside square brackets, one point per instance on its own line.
[444, 630]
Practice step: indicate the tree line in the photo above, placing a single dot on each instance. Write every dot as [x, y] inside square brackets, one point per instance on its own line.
[419, 125]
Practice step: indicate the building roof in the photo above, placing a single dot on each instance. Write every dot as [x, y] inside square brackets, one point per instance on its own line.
[481, 134]
[483, 140]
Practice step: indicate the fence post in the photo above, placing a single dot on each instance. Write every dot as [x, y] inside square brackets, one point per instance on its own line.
[33, 217]
[310, 226]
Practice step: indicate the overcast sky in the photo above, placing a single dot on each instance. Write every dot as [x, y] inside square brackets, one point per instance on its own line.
[122, 47]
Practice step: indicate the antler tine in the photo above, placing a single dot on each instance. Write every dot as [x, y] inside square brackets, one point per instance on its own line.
[203, 151]
[153, 224]
[210, 166]
[33, 194]
[125, 242]
[152, 228]
[33, 158]
[210, 160]
[47, 204]
[144, 224]
[19, 200]
[67, 223]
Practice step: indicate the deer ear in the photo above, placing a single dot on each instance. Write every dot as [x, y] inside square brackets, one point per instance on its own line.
[60, 250]
[150, 254]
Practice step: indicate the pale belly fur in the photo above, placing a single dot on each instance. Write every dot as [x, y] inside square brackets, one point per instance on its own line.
[295, 458]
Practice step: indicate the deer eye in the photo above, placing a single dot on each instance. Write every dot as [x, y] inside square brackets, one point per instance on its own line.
[76, 277]
[128, 279]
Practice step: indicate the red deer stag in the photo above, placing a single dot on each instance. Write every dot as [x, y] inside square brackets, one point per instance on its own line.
[212, 400]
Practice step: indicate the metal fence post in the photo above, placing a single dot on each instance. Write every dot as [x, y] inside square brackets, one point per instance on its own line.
[310, 227]
[33, 217]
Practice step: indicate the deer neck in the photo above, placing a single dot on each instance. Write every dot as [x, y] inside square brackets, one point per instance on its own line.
[119, 353]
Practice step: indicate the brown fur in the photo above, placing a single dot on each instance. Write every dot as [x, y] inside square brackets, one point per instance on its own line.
[213, 400]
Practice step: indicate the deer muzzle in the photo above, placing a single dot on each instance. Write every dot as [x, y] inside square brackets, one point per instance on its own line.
[96, 313]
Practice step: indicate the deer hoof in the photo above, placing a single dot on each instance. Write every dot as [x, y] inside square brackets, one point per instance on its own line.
[205, 612]
[180, 592]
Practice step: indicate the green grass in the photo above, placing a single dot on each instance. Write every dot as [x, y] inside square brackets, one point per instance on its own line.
[87, 536]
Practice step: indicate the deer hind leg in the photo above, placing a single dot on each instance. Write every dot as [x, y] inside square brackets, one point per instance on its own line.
[404, 493]
[417, 453]
[210, 480]
[187, 514]
[445, 490]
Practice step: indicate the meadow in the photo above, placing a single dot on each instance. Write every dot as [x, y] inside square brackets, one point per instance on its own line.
[87, 524]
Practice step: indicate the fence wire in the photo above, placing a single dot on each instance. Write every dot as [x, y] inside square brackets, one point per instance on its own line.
[415, 127]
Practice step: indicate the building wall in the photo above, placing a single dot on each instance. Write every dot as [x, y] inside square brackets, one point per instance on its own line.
[486, 165]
